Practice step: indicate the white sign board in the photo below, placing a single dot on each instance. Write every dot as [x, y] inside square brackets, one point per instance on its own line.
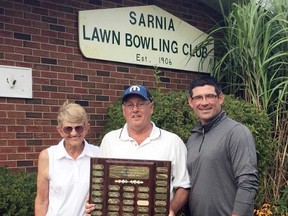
[145, 35]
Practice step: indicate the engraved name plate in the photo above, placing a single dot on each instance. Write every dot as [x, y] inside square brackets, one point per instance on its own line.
[130, 187]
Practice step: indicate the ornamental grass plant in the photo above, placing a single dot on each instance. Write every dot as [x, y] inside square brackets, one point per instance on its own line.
[252, 62]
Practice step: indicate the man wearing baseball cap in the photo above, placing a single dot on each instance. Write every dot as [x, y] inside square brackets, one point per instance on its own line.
[140, 138]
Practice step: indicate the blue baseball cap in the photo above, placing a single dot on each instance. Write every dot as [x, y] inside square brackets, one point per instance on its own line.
[140, 90]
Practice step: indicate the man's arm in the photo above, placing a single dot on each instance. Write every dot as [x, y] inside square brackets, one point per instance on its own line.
[244, 162]
[180, 198]
[180, 182]
[42, 197]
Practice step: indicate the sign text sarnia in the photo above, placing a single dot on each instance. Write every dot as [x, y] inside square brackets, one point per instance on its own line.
[143, 35]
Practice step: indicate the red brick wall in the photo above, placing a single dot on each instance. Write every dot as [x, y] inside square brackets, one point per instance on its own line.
[43, 35]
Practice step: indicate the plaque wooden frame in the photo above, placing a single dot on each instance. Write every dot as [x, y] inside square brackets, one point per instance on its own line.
[124, 187]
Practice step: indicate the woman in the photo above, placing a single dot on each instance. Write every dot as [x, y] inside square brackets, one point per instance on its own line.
[64, 169]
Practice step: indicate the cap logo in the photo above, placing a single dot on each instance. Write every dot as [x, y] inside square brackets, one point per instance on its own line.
[134, 88]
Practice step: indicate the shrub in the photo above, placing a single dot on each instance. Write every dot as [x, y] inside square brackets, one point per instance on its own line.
[17, 193]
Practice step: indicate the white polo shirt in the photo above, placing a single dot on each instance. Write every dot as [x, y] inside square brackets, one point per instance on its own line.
[69, 180]
[160, 145]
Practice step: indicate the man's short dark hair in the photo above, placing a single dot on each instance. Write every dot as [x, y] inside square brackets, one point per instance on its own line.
[205, 80]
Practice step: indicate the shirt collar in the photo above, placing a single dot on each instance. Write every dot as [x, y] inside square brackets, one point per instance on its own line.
[61, 151]
[211, 124]
[155, 133]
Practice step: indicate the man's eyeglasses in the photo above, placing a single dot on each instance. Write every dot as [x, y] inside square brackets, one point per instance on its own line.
[139, 105]
[79, 129]
[208, 97]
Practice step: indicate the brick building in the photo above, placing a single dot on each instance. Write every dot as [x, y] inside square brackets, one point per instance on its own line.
[43, 35]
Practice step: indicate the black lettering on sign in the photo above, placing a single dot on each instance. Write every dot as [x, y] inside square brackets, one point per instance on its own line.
[102, 35]
[151, 21]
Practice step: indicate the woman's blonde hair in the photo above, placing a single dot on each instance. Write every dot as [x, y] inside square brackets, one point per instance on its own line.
[72, 112]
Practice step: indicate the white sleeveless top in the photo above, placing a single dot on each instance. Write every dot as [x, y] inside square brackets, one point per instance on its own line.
[69, 180]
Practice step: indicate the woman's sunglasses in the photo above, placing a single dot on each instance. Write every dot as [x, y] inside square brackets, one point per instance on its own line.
[79, 129]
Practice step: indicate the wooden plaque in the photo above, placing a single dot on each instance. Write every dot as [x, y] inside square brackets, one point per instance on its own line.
[122, 187]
